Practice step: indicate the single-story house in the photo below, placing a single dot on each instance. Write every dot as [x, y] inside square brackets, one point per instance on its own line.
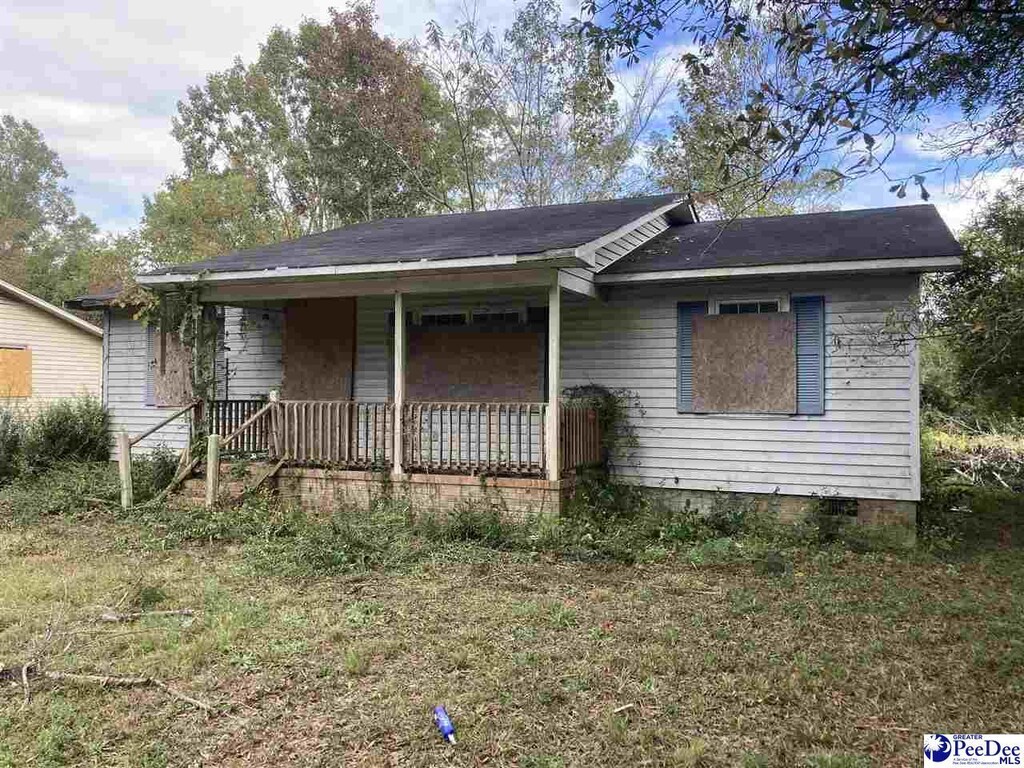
[46, 353]
[753, 353]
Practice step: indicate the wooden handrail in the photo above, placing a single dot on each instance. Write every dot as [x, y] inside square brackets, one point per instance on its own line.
[164, 423]
[247, 423]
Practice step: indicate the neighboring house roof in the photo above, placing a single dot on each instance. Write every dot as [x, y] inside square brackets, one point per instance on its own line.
[907, 232]
[26, 297]
[95, 300]
[514, 231]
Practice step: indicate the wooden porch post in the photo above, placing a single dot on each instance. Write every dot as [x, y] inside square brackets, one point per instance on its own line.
[551, 447]
[396, 450]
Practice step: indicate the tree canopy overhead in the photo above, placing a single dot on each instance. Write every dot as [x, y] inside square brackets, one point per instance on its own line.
[333, 122]
[860, 73]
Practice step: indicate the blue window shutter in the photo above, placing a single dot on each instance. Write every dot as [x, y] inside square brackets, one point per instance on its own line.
[810, 354]
[684, 349]
[150, 393]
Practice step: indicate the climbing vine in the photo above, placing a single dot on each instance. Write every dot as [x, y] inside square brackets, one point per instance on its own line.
[612, 406]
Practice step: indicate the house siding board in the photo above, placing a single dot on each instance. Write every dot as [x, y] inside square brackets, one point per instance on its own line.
[127, 363]
[252, 338]
[66, 361]
[373, 349]
[630, 342]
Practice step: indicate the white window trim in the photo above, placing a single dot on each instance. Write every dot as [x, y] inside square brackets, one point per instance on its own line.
[716, 301]
[520, 311]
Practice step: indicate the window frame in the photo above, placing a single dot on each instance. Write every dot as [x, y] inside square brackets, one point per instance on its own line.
[715, 302]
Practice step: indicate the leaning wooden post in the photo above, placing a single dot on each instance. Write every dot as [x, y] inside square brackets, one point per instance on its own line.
[551, 448]
[124, 466]
[212, 469]
[399, 405]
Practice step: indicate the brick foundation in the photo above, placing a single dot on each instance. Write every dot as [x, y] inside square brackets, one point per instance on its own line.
[793, 508]
[517, 496]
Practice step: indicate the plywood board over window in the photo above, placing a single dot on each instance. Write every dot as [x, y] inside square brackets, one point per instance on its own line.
[744, 363]
[15, 372]
[172, 375]
[319, 347]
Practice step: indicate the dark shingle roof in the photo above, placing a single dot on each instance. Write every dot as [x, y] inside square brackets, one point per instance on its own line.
[465, 235]
[878, 233]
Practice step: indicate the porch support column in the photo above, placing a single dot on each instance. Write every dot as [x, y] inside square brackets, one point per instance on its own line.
[551, 453]
[397, 450]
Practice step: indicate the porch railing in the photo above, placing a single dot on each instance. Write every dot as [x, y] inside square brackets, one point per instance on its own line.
[580, 437]
[474, 438]
[226, 416]
[452, 438]
[343, 433]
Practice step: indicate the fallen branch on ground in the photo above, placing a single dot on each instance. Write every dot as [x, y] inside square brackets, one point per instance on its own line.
[115, 618]
[29, 671]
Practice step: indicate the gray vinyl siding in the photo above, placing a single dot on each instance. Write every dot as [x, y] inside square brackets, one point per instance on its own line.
[252, 338]
[125, 392]
[863, 446]
[373, 348]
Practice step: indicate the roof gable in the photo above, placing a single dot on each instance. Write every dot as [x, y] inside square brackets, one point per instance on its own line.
[45, 306]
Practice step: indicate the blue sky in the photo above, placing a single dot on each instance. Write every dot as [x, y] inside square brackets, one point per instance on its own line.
[101, 80]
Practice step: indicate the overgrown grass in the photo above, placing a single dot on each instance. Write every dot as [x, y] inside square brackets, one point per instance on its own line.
[836, 658]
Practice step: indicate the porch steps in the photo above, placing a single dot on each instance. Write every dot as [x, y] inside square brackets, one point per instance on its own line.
[233, 483]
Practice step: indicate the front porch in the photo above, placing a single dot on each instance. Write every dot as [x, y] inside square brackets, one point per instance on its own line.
[423, 385]
[470, 439]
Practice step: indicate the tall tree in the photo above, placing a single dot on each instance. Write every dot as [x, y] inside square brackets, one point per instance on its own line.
[978, 311]
[209, 214]
[538, 115]
[695, 156]
[334, 123]
[40, 230]
[864, 71]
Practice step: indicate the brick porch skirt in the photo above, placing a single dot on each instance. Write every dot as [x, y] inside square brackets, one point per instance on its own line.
[517, 496]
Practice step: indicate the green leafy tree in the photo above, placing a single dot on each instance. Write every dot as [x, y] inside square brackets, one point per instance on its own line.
[863, 72]
[978, 311]
[42, 236]
[334, 124]
[209, 214]
[538, 116]
[696, 156]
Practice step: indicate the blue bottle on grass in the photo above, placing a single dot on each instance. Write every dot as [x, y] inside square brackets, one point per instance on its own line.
[444, 724]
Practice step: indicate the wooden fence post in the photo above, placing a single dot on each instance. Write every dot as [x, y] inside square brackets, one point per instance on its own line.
[124, 465]
[212, 469]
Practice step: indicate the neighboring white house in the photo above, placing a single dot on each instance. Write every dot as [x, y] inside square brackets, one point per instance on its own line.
[46, 353]
[754, 353]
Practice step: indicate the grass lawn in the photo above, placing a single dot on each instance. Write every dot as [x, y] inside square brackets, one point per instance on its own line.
[842, 660]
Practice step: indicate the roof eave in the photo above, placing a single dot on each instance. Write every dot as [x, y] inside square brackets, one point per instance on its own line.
[554, 259]
[862, 266]
[50, 309]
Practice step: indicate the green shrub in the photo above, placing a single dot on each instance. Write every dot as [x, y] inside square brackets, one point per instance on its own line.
[68, 431]
[71, 490]
[12, 436]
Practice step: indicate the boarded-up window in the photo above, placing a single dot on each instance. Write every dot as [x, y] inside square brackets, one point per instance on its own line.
[723, 367]
[744, 363]
[15, 372]
[319, 347]
[468, 365]
[168, 374]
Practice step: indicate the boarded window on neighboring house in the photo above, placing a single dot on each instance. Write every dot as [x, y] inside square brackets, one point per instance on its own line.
[15, 371]
[168, 373]
[752, 357]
